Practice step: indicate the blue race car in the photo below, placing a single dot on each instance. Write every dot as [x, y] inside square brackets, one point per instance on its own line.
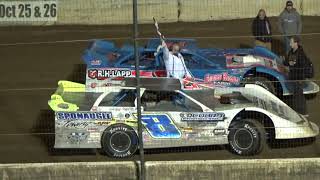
[108, 65]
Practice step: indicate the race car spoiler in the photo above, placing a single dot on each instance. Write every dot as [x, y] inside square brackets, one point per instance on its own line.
[161, 84]
[57, 103]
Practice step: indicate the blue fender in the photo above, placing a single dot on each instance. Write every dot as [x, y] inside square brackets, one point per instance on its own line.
[280, 77]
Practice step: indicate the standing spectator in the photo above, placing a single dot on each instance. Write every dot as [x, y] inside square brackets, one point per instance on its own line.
[261, 29]
[174, 62]
[297, 62]
[289, 24]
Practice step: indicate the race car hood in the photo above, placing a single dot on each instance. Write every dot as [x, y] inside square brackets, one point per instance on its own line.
[261, 98]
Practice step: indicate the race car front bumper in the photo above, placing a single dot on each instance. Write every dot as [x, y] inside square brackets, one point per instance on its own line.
[306, 130]
[310, 87]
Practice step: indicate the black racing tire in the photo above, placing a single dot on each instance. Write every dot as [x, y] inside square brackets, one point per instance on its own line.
[263, 82]
[246, 137]
[119, 141]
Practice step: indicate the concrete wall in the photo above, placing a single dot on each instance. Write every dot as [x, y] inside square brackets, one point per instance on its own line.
[282, 169]
[68, 171]
[273, 169]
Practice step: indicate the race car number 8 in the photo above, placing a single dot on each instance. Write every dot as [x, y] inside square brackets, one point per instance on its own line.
[160, 126]
[28, 10]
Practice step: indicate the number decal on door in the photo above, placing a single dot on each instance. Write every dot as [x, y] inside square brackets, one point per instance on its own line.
[160, 126]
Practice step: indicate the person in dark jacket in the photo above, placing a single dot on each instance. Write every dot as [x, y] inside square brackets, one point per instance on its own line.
[290, 24]
[261, 29]
[296, 61]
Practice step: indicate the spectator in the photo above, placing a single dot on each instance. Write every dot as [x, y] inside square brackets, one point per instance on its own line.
[174, 62]
[289, 24]
[297, 61]
[261, 29]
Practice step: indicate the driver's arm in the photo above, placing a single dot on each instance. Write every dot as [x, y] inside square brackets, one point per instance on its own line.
[165, 50]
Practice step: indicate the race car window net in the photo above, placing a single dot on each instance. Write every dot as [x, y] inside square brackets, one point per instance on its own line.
[124, 98]
[168, 101]
[165, 84]
[206, 97]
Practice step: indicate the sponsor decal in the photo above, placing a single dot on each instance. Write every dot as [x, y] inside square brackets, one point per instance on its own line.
[225, 77]
[254, 133]
[160, 126]
[102, 74]
[77, 137]
[95, 62]
[92, 129]
[94, 137]
[219, 131]
[186, 129]
[206, 134]
[76, 124]
[210, 116]
[83, 115]
[146, 136]
[102, 123]
[191, 135]
[222, 84]
[119, 155]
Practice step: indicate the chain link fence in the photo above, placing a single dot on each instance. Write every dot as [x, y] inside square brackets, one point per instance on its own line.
[216, 113]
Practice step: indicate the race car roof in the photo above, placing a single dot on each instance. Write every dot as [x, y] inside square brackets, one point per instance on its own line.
[161, 84]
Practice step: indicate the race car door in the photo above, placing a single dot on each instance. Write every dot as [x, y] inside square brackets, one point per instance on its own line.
[162, 118]
[210, 71]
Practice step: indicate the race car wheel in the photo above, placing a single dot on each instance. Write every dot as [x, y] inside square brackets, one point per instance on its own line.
[246, 137]
[119, 141]
[263, 82]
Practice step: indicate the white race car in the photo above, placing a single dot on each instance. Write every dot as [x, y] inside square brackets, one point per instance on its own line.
[243, 117]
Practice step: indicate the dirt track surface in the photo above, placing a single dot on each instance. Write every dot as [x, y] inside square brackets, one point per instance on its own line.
[28, 67]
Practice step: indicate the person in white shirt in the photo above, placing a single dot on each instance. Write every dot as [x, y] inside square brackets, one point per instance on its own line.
[174, 62]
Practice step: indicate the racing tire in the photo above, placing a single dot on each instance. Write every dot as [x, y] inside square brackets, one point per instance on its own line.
[263, 82]
[119, 141]
[246, 137]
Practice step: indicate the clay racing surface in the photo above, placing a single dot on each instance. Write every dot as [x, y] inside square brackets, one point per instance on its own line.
[33, 71]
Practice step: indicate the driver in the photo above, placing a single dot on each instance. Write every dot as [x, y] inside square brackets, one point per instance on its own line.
[174, 62]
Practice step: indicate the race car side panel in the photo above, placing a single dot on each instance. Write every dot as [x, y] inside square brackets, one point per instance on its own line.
[161, 129]
[176, 129]
[80, 129]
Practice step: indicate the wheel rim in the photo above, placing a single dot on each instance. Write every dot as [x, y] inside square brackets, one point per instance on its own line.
[243, 138]
[120, 141]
